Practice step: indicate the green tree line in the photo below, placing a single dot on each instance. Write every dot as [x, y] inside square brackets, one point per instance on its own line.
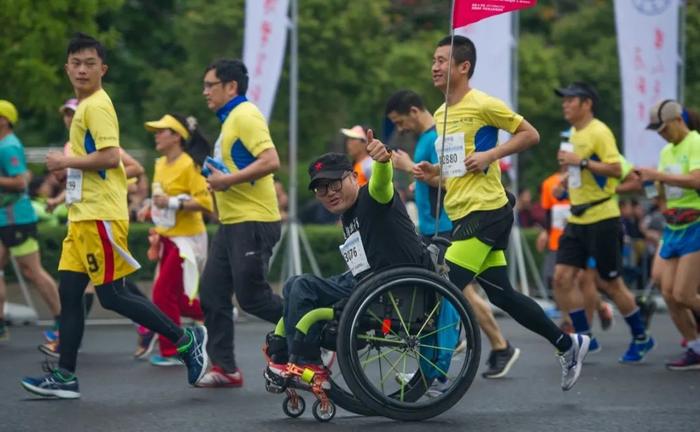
[353, 55]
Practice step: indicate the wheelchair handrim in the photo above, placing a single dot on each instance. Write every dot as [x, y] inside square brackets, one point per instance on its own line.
[465, 374]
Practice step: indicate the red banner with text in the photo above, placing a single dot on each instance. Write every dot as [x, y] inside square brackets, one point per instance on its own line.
[471, 11]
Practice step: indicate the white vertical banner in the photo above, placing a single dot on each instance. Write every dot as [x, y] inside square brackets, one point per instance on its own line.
[266, 26]
[493, 38]
[647, 41]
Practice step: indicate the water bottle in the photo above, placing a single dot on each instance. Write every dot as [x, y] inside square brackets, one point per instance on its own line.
[574, 171]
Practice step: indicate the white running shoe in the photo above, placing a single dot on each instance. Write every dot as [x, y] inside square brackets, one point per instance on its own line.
[572, 360]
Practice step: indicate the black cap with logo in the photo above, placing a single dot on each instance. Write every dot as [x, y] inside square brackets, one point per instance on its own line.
[330, 166]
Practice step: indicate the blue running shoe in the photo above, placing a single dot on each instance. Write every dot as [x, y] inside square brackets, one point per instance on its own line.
[637, 350]
[194, 354]
[57, 384]
[51, 335]
[159, 360]
[594, 346]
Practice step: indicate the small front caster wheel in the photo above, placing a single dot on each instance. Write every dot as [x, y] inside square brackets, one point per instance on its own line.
[323, 415]
[294, 406]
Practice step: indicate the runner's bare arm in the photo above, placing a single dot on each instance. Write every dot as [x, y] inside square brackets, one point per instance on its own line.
[106, 158]
[14, 184]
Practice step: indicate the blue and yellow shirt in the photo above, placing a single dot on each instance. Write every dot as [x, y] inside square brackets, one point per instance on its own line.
[479, 116]
[95, 127]
[15, 207]
[595, 142]
[244, 135]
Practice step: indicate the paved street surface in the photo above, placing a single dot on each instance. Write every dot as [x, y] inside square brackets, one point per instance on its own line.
[120, 394]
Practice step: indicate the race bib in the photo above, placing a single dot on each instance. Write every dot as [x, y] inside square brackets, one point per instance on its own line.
[454, 155]
[163, 217]
[217, 148]
[354, 254]
[574, 181]
[673, 192]
[74, 185]
[560, 214]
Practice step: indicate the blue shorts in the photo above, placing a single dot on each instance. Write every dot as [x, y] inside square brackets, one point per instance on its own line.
[679, 242]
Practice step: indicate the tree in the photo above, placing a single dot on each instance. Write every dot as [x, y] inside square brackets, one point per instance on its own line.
[33, 45]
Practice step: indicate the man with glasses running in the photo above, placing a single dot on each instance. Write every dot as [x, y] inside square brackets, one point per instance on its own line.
[246, 203]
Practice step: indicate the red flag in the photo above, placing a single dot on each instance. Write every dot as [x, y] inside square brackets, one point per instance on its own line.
[471, 11]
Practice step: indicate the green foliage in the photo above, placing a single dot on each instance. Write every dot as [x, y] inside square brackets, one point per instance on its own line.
[352, 56]
[33, 42]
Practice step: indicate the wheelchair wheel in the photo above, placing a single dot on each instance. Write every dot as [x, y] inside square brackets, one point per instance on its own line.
[293, 408]
[411, 321]
[339, 393]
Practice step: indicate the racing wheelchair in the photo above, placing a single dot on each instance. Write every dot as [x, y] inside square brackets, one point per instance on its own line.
[396, 341]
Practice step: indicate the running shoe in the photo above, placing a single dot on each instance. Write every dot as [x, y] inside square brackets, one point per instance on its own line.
[56, 383]
[50, 335]
[50, 349]
[194, 354]
[594, 346]
[438, 387]
[159, 360]
[145, 343]
[501, 361]
[572, 360]
[218, 378]
[605, 313]
[637, 350]
[647, 307]
[461, 347]
[690, 360]
[403, 378]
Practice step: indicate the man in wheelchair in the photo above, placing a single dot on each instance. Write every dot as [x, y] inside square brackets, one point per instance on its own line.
[378, 234]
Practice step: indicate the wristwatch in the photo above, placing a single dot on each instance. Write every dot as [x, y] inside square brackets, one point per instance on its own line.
[583, 164]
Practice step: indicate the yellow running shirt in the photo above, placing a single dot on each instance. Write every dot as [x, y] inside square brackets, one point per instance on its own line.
[595, 142]
[182, 177]
[244, 135]
[475, 121]
[98, 195]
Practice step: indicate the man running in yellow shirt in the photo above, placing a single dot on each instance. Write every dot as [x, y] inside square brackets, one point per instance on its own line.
[594, 228]
[95, 248]
[475, 200]
[249, 214]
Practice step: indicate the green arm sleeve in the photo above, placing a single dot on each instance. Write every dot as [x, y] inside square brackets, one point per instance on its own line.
[381, 185]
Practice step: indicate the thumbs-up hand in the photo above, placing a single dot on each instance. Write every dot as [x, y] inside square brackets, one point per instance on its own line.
[376, 149]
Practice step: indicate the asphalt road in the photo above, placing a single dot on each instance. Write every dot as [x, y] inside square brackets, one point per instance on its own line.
[120, 394]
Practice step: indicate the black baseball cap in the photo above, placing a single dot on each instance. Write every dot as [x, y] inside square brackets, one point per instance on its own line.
[580, 89]
[330, 166]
